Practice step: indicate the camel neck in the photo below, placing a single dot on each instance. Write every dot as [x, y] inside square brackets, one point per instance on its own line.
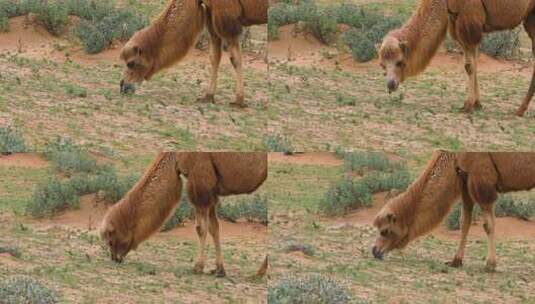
[424, 32]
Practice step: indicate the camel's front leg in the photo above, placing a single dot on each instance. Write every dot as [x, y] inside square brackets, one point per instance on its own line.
[470, 66]
[201, 226]
[215, 60]
[213, 227]
[236, 60]
[529, 25]
[488, 215]
[466, 221]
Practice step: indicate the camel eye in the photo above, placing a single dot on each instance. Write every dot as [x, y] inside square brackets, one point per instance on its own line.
[131, 64]
[383, 66]
[385, 232]
[400, 64]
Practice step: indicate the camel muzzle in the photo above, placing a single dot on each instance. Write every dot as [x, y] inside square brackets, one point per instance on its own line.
[392, 85]
[127, 88]
[377, 253]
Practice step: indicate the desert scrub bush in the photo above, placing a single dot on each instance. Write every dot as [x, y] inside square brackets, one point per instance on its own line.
[69, 158]
[278, 15]
[51, 197]
[503, 44]
[361, 162]
[4, 21]
[376, 182]
[26, 290]
[252, 209]
[11, 141]
[308, 289]
[54, 15]
[345, 195]
[278, 143]
[183, 212]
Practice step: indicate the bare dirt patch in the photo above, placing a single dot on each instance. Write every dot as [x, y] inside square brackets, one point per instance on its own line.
[309, 158]
[25, 160]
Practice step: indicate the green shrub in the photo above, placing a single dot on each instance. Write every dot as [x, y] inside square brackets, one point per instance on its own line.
[521, 207]
[92, 39]
[362, 48]
[278, 143]
[306, 249]
[69, 158]
[75, 91]
[308, 289]
[503, 44]
[253, 209]
[4, 21]
[51, 197]
[11, 141]
[183, 212]
[345, 195]
[54, 16]
[26, 290]
[361, 162]
[385, 181]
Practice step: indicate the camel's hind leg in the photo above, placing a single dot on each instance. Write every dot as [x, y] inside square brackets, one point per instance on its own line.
[466, 221]
[213, 227]
[236, 60]
[201, 226]
[215, 60]
[529, 25]
[488, 215]
[470, 58]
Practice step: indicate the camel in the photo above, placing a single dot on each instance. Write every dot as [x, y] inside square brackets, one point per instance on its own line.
[171, 35]
[146, 207]
[407, 51]
[475, 177]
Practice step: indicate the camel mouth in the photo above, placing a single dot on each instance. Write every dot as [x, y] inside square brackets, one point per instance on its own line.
[127, 88]
[392, 85]
[377, 254]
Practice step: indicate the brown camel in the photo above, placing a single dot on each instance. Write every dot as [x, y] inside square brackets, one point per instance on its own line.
[407, 51]
[476, 177]
[168, 39]
[151, 201]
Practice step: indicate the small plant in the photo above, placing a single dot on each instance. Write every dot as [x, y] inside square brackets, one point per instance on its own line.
[253, 209]
[69, 158]
[522, 208]
[362, 47]
[306, 249]
[183, 212]
[278, 143]
[23, 289]
[385, 181]
[308, 289]
[11, 141]
[75, 91]
[366, 161]
[54, 15]
[51, 197]
[345, 195]
[501, 44]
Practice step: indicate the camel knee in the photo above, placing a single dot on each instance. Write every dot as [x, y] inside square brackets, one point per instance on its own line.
[234, 62]
[486, 227]
[469, 69]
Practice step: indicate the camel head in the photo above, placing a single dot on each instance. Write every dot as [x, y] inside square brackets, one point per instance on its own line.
[119, 241]
[392, 233]
[139, 65]
[393, 58]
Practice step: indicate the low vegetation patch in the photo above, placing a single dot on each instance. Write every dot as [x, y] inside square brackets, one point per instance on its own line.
[101, 22]
[377, 174]
[23, 289]
[507, 205]
[310, 289]
[278, 143]
[79, 175]
[306, 249]
[11, 141]
[367, 27]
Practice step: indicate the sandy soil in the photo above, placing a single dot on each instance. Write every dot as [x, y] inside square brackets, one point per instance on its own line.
[25, 160]
[312, 158]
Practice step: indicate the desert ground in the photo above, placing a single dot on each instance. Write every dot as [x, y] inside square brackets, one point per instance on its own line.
[64, 253]
[347, 104]
[50, 86]
[307, 243]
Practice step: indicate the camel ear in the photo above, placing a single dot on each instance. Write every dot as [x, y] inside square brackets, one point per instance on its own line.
[404, 48]
[202, 181]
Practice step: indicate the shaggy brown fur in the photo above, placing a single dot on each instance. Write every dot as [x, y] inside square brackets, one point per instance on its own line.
[168, 39]
[476, 177]
[151, 201]
[407, 51]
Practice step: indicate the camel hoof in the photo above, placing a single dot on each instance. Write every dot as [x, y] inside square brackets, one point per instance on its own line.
[198, 268]
[209, 98]
[490, 267]
[520, 112]
[219, 272]
[455, 263]
[467, 109]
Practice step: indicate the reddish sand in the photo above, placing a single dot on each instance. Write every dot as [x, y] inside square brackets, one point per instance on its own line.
[25, 160]
[312, 158]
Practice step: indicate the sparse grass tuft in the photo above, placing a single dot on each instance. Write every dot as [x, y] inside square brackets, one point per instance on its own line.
[309, 289]
[361, 162]
[278, 143]
[11, 141]
[22, 289]
[253, 208]
[69, 158]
